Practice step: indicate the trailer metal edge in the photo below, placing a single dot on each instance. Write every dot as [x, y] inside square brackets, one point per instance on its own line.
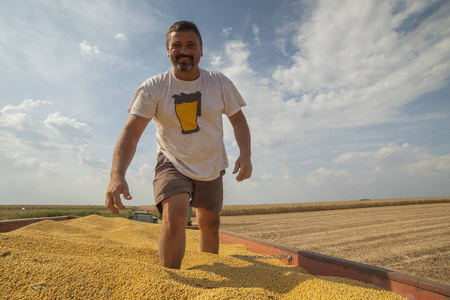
[411, 287]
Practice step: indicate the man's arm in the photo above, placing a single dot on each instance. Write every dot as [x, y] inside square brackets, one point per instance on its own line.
[242, 134]
[122, 157]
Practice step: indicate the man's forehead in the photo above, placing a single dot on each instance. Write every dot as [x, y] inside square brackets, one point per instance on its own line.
[185, 35]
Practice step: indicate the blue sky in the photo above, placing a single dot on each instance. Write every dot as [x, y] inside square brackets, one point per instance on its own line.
[345, 99]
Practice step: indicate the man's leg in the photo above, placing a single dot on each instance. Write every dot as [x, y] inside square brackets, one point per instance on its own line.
[208, 222]
[172, 238]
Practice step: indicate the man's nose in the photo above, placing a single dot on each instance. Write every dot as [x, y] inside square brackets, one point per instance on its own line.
[184, 49]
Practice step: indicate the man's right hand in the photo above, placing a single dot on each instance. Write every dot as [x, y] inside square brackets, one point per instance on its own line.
[123, 154]
[115, 189]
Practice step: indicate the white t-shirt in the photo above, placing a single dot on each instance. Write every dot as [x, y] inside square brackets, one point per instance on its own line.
[188, 119]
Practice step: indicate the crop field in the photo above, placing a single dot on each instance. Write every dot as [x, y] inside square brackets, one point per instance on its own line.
[10, 212]
[236, 210]
[412, 239]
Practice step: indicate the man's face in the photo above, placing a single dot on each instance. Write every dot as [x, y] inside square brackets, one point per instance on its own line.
[184, 50]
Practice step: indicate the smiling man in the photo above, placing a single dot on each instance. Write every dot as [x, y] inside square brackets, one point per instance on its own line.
[186, 104]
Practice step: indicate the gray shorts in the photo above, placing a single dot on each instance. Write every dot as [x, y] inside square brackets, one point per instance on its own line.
[169, 182]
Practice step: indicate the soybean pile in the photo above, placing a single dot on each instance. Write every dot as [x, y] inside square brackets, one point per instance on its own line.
[115, 258]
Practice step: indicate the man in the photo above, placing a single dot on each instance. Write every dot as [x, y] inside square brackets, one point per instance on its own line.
[186, 104]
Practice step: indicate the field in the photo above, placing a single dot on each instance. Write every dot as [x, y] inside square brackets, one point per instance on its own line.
[412, 239]
[10, 212]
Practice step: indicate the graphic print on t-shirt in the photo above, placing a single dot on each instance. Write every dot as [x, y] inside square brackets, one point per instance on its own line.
[187, 108]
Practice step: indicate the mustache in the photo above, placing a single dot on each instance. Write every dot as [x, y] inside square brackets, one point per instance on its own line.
[184, 56]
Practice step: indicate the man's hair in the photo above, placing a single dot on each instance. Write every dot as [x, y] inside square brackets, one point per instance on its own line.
[183, 26]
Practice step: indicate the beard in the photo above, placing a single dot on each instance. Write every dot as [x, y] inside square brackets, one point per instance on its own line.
[184, 66]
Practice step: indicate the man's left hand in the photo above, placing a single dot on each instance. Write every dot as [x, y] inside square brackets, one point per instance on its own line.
[244, 166]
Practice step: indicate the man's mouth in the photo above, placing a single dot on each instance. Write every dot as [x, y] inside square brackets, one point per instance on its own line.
[184, 58]
[184, 63]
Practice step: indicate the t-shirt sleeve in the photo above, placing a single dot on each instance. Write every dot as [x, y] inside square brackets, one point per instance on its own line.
[143, 103]
[233, 100]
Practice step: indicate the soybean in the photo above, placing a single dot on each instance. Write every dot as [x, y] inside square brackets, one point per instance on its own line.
[115, 258]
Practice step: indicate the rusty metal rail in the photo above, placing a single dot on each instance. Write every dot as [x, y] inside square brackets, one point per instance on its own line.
[408, 286]
[10, 225]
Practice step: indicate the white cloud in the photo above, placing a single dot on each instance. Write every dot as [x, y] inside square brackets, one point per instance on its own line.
[17, 160]
[50, 169]
[216, 61]
[389, 155]
[352, 68]
[237, 54]
[283, 115]
[29, 107]
[226, 31]
[67, 128]
[14, 162]
[256, 30]
[47, 153]
[121, 36]
[22, 124]
[323, 177]
[286, 173]
[347, 66]
[19, 121]
[34, 125]
[85, 158]
[268, 177]
[280, 45]
[391, 168]
[146, 170]
[286, 117]
[274, 123]
[88, 49]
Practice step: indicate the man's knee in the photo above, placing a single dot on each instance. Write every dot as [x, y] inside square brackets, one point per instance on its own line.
[174, 222]
[208, 220]
[175, 212]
